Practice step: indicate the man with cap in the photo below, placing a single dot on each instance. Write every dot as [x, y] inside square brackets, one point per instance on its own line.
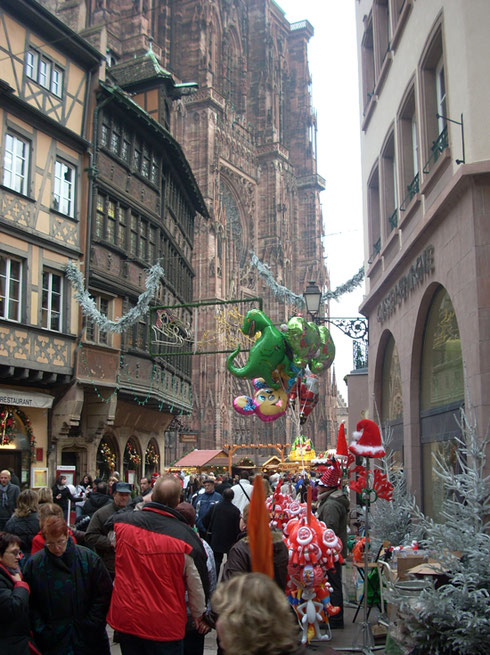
[203, 502]
[97, 534]
[333, 509]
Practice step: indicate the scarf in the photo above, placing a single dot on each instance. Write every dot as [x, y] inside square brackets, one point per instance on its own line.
[4, 496]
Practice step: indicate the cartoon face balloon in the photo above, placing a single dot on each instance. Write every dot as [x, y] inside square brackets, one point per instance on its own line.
[268, 404]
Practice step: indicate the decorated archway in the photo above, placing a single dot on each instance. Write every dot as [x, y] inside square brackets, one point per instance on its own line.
[17, 441]
[152, 458]
[132, 460]
[107, 457]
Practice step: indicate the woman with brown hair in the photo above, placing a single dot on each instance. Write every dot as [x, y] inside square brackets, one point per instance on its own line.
[25, 521]
[70, 595]
[254, 617]
[45, 511]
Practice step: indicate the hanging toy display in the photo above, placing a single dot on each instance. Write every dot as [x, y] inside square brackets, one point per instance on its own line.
[268, 404]
[301, 450]
[306, 391]
[325, 355]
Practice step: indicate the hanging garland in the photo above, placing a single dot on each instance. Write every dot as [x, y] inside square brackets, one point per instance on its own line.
[132, 454]
[283, 293]
[108, 455]
[7, 425]
[89, 308]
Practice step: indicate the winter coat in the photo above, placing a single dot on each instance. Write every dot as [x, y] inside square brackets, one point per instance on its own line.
[223, 522]
[66, 495]
[158, 557]
[12, 492]
[240, 561]
[14, 615]
[96, 535]
[70, 596]
[203, 503]
[333, 510]
[26, 528]
[95, 501]
[39, 541]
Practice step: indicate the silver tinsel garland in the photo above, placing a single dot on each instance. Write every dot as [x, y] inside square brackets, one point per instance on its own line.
[283, 293]
[89, 308]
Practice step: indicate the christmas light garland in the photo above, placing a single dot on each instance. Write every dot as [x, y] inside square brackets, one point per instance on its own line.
[283, 293]
[89, 308]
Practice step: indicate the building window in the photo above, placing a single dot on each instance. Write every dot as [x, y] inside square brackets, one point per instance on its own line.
[52, 301]
[64, 188]
[433, 125]
[16, 163]
[390, 196]
[441, 394]
[409, 150]
[92, 331]
[367, 64]
[374, 224]
[381, 20]
[44, 71]
[110, 220]
[10, 288]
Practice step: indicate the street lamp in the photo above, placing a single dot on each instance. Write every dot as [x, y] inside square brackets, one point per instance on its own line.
[313, 299]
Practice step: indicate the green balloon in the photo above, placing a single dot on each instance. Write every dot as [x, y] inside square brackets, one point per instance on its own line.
[325, 356]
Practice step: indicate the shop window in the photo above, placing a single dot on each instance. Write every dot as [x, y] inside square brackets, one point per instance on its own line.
[132, 461]
[409, 149]
[64, 188]
[389, 181]
[107, 458]
[52, 301]
[16, 163]
[152, 458]
[11, 288]
[374, 214]
[442, 394]
[392, 401]
[434, 101]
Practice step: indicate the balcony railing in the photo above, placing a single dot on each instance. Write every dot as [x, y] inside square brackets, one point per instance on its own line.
[412, 190]
[393, 220]
[376, 250]
[438, 147]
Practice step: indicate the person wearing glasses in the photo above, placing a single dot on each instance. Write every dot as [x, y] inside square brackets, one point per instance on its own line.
[70, 595]
[14, 598]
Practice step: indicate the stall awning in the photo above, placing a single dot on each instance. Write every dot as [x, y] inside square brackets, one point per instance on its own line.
[25, 398]
[201, 458]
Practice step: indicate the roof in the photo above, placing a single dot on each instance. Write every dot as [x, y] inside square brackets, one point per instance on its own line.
[140, 69]
[202, 458]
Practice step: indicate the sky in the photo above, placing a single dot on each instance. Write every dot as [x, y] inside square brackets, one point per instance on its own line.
[332, 57]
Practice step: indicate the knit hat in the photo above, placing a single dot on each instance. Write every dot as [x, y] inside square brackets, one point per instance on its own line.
[341, 442]
[188, 512]
[367, 440]
[331, 477]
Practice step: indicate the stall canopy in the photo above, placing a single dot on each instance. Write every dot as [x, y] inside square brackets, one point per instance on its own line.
[202, 459]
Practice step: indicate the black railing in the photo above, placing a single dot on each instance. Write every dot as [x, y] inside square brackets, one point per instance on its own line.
[376, 250]
[393, 220]
[438, 147]
[412, 190]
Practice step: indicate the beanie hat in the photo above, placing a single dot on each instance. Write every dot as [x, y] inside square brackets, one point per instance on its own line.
[367, 440]
[341, 442]
[331, 477]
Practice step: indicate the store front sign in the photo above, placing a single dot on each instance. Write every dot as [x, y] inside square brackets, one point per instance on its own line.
[188, 438]
[419, 270]
[25, 398]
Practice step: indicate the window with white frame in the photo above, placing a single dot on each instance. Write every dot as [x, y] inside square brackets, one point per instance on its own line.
[92, 331]
[441, 96]
[44, 71]
[16, 163]
[64, 188]
[409, 149]
[10, 288]
[52, 301]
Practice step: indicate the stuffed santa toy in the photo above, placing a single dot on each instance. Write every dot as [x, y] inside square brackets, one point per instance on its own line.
[367, 440]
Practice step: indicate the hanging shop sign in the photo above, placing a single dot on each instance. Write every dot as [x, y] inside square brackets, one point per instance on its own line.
[25, 398]
[419, 270]
[188, 438]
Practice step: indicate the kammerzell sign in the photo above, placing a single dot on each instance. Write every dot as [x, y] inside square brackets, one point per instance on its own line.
[419, 270]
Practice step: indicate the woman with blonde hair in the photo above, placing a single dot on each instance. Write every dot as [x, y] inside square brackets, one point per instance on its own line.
[254, 617]
[25, 521]
[45, 495]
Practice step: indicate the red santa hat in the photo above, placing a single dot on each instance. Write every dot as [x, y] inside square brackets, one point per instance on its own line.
[341, 442]
[367, 440]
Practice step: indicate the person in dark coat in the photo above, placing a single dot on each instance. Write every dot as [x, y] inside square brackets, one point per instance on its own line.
[25, 521]
[95, 501]
[203, 502]
[70, 595]
[61, 495]
[222, 525]
[240, 561]
[14, 599]
[8, 497]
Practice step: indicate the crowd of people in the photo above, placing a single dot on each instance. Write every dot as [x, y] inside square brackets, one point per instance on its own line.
[146, 561]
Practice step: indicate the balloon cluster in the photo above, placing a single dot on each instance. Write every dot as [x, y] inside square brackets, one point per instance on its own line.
[283, 364]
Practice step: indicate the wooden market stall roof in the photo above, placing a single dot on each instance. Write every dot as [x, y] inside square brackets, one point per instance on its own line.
[203, 458]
